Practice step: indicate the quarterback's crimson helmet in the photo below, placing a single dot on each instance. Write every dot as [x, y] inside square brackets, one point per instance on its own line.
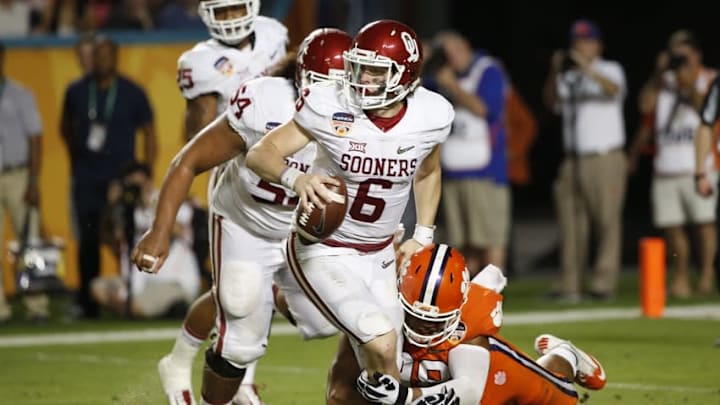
[391, 48]
[320, 56]
[238, 24]
[433, 287]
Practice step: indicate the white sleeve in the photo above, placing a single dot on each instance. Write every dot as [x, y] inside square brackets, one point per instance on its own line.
[198, 76]
[469, 367]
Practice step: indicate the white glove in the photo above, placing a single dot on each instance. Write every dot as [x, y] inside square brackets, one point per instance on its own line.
[445, 397]
[387, 390]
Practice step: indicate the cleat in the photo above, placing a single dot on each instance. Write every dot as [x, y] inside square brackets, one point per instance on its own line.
[176, 382]
[590, 373]
[247, 395]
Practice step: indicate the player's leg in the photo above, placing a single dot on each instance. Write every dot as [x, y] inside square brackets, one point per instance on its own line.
[342, 377]
[175, 368]
[516, 378]
[358, 294]
[243, 292]
[587, 372]
[294, 305]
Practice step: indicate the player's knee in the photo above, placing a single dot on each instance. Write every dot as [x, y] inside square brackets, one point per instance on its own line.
[374, 324]
[243, 355]
[317, 331]
[241, 288]
[222, 366]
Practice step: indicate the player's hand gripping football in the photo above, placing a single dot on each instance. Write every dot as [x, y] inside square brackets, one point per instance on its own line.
[311, 189]
[384, 390]
[151, 251]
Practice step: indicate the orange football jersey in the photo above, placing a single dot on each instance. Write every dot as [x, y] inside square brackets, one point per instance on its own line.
[513, 378]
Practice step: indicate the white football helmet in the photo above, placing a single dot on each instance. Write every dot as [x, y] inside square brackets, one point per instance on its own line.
[229, 30]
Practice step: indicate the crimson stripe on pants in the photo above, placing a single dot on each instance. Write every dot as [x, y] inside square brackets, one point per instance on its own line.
[309, 291]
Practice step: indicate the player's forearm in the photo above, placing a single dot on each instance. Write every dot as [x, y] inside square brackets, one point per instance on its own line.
[469, 366]
[703, 141]
[427, 191]
[266, 160]
[150, 143]
[173, 192]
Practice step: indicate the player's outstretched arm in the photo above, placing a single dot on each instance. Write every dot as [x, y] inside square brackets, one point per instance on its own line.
[215, 144]
[469, 366]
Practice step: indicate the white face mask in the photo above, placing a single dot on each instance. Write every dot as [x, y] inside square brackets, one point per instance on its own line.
[229, 30]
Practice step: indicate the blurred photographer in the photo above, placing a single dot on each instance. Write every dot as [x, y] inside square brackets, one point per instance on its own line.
[476, 196]
[672, 97]
[589, 92]
[130, 211]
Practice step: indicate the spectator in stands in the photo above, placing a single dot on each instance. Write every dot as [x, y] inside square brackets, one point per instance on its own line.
[673, 95]
[589, 92]
[20, 157]
[129, 213]
[64, 17]
[179, 15]
[101, 114]
[476, 192]
[15, 18]
[130, 15]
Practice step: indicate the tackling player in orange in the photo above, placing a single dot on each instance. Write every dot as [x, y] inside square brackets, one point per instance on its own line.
[452, 349]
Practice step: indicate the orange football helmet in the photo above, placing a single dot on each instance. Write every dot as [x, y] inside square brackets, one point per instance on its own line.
[433, 286]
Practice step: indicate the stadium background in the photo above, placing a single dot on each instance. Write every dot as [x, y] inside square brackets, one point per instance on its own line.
[522, 34]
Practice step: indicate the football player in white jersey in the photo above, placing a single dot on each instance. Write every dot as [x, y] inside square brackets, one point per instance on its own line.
[381, 132]
[243, 45]
[250, 220]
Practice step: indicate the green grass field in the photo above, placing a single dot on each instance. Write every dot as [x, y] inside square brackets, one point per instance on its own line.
[667, 361]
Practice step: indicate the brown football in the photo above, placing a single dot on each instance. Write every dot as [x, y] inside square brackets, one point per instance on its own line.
[318, 224]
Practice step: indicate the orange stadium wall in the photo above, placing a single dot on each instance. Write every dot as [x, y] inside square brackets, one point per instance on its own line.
[47, 71]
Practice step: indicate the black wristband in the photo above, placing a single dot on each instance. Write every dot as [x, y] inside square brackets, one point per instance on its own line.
[699, 176]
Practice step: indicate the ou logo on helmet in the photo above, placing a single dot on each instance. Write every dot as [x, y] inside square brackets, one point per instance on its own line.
[411, 46]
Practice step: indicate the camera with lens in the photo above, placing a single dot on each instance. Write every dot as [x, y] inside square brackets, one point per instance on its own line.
[568, 63]
[676, 61]
[131, 194]
[437, 59]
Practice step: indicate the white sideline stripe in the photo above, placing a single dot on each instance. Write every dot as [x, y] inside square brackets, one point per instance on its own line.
[707, 311]
[646, 387]
[78, 338]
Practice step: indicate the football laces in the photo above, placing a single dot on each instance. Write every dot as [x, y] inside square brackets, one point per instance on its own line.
[305, 216]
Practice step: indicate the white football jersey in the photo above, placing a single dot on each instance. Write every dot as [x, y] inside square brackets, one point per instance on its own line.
[240, 195]
[378, 167]
[212, 67]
